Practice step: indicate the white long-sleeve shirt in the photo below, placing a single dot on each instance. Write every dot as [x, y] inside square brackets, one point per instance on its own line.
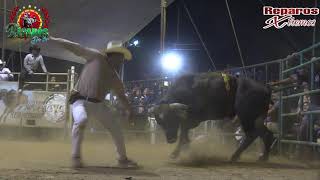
[5, 74]
[31, 63]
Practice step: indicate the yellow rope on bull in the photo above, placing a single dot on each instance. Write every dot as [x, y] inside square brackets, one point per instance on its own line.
[226, 79]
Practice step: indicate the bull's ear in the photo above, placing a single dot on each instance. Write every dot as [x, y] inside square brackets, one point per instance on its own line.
[178, 106]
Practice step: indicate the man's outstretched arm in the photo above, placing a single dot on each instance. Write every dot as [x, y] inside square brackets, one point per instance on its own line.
[43, 66]
[77, 49]
[288, 80]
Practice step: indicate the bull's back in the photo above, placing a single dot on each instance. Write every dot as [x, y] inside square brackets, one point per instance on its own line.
[205, 94]
[251, 91]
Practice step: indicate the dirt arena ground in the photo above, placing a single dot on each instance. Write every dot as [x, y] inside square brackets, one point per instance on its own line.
[39, 159]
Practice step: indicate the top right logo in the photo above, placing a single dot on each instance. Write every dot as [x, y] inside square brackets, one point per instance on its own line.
[282, 17]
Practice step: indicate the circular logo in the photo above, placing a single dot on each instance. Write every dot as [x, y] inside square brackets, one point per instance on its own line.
[55, 106]
[29, 18]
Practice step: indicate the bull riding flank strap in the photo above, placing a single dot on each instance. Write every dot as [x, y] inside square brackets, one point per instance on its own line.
[226, 80]
[229, 82]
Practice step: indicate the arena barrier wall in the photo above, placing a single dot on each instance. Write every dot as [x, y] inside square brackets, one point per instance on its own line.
[43, 106]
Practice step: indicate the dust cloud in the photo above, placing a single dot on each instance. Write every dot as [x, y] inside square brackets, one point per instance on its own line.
[46, 155]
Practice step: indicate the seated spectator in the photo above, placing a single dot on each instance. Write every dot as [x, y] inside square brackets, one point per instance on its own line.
[5, 73]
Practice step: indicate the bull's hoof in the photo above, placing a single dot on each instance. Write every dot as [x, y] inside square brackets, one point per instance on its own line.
[234, 159]
[263, 158]
[174, 155]
[185, 147]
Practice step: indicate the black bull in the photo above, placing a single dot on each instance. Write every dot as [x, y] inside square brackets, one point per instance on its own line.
[195, 98]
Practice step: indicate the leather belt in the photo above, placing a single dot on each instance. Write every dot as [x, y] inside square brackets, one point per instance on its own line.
[88, 99]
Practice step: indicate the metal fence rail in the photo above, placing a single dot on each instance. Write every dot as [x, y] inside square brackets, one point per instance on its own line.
[284, 69]
[312, 91]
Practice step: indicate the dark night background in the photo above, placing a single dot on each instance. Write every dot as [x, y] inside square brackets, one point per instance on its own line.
[211, 17]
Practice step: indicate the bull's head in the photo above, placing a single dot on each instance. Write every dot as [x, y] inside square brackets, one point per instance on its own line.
[169, 117]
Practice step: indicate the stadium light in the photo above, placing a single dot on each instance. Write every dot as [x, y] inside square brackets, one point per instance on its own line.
[136, 42]
[171, 62]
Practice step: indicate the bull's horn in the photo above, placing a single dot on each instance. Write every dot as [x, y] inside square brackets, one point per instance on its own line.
[178, 106]
[153, 109]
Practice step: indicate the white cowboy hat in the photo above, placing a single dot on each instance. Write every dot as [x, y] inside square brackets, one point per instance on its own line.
[117, 47]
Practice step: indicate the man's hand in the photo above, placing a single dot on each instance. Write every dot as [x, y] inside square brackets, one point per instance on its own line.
[31, 72]
[272, 83]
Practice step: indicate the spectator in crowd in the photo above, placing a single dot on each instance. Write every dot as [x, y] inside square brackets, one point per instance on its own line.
[299, 76]
[5, 73]
[147, 97]
[237, 74]
[139, 116]
[135, 88]
[272, 117]
[317, 81]
[141, 95]
[30, 65]
[137, 102]
[304, 120]
[303, 106]
[54, 87]
[315, 106]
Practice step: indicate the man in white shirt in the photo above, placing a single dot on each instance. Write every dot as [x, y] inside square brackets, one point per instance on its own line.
[5, 73]
[31, 64]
